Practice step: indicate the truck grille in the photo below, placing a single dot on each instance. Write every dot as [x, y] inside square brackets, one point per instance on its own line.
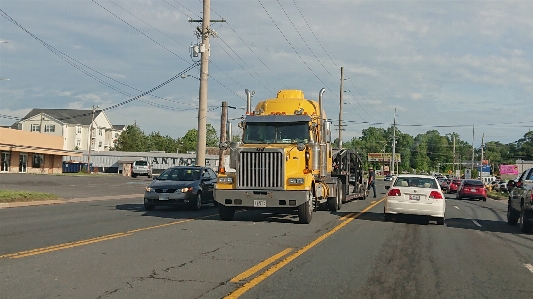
[261, 170]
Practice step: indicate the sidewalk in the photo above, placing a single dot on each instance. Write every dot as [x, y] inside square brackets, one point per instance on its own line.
[62, 201]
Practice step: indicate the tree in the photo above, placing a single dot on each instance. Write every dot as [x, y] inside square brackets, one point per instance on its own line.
[131, 140]
[212, 138]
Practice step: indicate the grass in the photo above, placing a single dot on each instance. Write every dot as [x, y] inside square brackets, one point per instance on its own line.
[497, 195]
[7, 196]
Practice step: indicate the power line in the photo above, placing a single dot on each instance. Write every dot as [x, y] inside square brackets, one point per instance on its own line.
[294, 49]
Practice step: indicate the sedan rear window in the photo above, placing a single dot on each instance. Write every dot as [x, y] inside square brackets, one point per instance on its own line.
[416, 182]
[473, 183]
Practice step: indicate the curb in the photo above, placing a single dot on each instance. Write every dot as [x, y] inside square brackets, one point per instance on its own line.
[62, 201]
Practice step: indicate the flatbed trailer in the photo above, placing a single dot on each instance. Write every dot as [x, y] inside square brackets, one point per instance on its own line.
[348, 168]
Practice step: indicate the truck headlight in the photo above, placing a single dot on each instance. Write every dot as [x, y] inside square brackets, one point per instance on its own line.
[149, 189]
[225, 180]
[296, 181]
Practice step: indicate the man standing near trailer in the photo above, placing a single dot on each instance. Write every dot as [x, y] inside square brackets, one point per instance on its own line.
[372, 180]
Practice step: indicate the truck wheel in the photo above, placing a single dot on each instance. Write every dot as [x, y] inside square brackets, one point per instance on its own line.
[525, 225]
[305, 210]
[512, 218]
[333, 204]
[440, 221]
[226, 213]
[340, 195]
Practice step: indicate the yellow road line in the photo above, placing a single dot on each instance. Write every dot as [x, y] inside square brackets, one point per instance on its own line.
[58, 247]
[252, 283]
[260, 266]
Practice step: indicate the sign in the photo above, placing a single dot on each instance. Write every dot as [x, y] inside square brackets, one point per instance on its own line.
[468, 173]
[509, 169]
[383, 157]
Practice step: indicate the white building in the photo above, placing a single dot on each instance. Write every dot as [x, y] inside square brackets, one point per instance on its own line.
[74, 126]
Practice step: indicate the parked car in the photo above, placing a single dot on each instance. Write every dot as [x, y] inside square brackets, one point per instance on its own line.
[452, 186]
[471, 189]
[520, 204]
[415, 195]
[388, 177]
[141, 167]
[191, 186]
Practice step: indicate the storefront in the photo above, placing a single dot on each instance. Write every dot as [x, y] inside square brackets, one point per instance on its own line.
[31, 152]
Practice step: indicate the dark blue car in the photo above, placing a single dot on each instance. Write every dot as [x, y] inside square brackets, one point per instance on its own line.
[190, 186]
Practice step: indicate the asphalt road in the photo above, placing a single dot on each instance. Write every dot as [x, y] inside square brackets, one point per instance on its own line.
[115, 249]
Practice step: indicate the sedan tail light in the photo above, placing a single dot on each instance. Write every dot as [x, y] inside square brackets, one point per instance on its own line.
[394, 192]
[436, 195]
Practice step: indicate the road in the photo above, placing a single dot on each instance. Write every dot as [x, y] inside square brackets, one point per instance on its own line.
[115, 249]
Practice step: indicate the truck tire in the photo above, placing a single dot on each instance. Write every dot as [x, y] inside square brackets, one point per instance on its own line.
[333, 204]
[512, 217]
[226, 213]
[305, 210]
[340, 194]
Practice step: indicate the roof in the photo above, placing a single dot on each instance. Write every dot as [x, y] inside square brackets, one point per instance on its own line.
[68, 116]
[118, 127]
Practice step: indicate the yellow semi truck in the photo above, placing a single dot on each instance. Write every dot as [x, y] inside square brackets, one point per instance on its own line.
[285, 161]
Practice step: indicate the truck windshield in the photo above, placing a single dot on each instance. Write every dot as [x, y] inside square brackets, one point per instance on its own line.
[282, 132]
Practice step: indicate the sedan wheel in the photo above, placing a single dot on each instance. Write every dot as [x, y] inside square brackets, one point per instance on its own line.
[525, 226]
[511, 216]
[197, 203]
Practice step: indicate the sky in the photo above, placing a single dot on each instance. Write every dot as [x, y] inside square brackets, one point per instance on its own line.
[450, 66]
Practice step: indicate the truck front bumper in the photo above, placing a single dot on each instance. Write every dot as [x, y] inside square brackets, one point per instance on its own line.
[261, 198]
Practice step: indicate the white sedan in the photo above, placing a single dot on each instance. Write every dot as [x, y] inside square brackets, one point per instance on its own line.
[415, 195]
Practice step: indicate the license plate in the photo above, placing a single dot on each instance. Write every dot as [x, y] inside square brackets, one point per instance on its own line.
[260, 203]
[472, 190]
[414, 197]
[163, 197]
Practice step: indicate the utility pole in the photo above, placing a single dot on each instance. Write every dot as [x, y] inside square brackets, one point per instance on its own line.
[41, 123]
[453, 166]
[481, 165]
[90, 142]
[340, 107]
[205, 50]
[473, 149]
[393, 142]
[223, 121]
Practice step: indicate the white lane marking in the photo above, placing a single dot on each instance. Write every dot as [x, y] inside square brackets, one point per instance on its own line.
[476, 223]
[529, 267]
[456, 207]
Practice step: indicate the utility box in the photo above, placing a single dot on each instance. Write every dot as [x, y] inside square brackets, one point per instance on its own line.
[126, 169]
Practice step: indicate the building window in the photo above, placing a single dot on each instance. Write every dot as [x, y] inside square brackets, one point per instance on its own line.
[78, 142]
[50, 128]
[100, 132]
[35, 128]
[37, 161]
[5, 159]
[100, 144]
[79, 130]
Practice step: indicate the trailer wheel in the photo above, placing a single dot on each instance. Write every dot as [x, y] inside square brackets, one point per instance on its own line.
[305, 210]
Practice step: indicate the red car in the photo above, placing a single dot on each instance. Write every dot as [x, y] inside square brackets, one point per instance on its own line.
[472, 189]
[453, 185]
